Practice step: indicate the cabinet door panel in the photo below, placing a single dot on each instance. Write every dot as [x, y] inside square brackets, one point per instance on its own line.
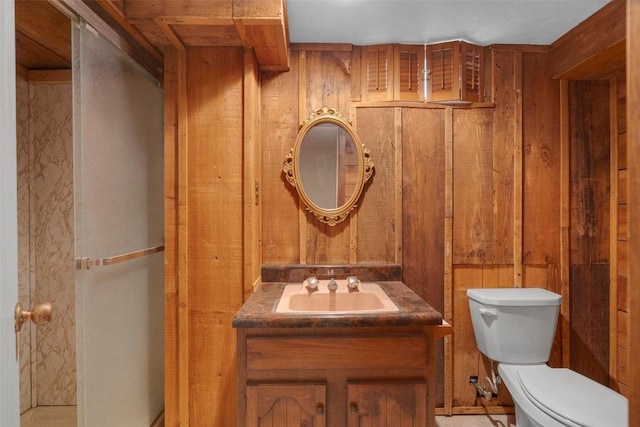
[401, 404]
[286, 405]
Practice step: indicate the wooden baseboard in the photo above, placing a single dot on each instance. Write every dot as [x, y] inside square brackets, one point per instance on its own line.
[159, 421]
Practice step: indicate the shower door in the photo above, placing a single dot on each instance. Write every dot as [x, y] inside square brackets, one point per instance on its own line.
[9, 401]
[118, 211]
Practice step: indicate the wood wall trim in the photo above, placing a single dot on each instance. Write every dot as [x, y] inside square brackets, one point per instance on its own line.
[302, 116]
[328, 47]
[518, 173]
[398, 184]
[166, 29]
[171, 346]
[633, 160]
[573, 53]
[252, 171]
[565, 219]
[183, 240]
[448, 257]
[613, 235]
[49, 76]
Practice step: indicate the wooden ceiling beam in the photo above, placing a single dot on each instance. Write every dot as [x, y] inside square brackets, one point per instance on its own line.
[596, 43]
[115, 13]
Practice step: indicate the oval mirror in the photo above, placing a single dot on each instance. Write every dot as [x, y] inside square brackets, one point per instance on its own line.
[328, 166]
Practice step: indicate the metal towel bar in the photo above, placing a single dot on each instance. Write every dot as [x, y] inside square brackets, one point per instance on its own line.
[88, 263]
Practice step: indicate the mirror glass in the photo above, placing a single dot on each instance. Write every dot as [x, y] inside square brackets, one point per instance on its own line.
[328, 166]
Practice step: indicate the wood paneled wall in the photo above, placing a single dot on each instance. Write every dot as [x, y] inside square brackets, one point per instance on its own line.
[461, 197]
[619, 274]
[589, 123]
[207, 121]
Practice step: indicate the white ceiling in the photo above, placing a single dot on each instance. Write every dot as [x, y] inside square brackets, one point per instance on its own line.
[482, 22]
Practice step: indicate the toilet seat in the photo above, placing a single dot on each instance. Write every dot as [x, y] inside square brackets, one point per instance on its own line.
[571, 398]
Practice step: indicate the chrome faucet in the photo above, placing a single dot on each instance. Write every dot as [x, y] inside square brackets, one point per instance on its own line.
[352, 283]
[332, 285]
[312, 284]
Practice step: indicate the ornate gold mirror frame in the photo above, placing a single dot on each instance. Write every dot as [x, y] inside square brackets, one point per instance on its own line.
[328, 166]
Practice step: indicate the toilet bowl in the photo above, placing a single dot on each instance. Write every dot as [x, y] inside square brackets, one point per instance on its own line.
[515, 327]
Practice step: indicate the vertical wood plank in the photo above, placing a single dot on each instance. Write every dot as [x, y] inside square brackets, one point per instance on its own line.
[565, 220]
[279, 127]
[589, 118]
[303, 114]
[589, 322]
[506, 152]
[397, 208]
[183, 238]
[448, 258]
[633, 153]
[473, 186]
[613, 238]
[517, 173]
[423, 205]
[251, 173]
[353, 220]
[589, 133]
[423, 221]
[376, 217]
[215, 237]
[172, 282]
[326, 81]
[542, 161]
[466, 356]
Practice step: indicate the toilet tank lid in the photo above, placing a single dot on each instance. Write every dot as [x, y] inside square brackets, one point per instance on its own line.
[514, 296]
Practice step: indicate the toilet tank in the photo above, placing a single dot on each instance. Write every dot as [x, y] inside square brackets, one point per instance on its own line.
[514, 325]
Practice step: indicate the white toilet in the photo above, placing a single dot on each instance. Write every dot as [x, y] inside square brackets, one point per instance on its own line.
[515, 327]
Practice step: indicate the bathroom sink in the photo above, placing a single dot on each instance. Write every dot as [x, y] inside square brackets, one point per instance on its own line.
[368, 298]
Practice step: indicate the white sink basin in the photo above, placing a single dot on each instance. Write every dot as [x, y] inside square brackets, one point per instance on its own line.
[368, 298]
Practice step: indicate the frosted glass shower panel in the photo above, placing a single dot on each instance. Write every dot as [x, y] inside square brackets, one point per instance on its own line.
[118, 161]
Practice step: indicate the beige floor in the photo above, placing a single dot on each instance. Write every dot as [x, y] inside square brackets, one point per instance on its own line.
[65, 416]
[49, 416]
[476, 421]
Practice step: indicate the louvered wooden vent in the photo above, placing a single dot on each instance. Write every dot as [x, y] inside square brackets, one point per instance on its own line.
[393, 72]
[472, 65]
[378, 63]
[409, 68]
[455, 72]
[378, 71]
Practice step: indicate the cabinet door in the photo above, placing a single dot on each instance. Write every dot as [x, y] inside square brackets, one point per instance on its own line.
[408, 72]
[286, 405]
[455, 72]
[401, 404]
[377, 72]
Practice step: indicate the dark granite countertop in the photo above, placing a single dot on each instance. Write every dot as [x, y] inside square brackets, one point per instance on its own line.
[259, 311]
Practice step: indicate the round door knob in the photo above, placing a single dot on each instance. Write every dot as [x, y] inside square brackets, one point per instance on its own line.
[40, 315]
[320, 408]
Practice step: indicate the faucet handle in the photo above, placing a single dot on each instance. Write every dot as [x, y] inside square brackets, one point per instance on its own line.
[312, 282]
[352, 282]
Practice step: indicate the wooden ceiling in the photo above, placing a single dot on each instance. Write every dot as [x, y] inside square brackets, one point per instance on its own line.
[155, 24]
[43, 36]
[43, 33]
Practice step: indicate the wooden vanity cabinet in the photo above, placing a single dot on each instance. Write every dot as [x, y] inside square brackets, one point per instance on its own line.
[286, 404]
[375, 404]
[336, 377]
